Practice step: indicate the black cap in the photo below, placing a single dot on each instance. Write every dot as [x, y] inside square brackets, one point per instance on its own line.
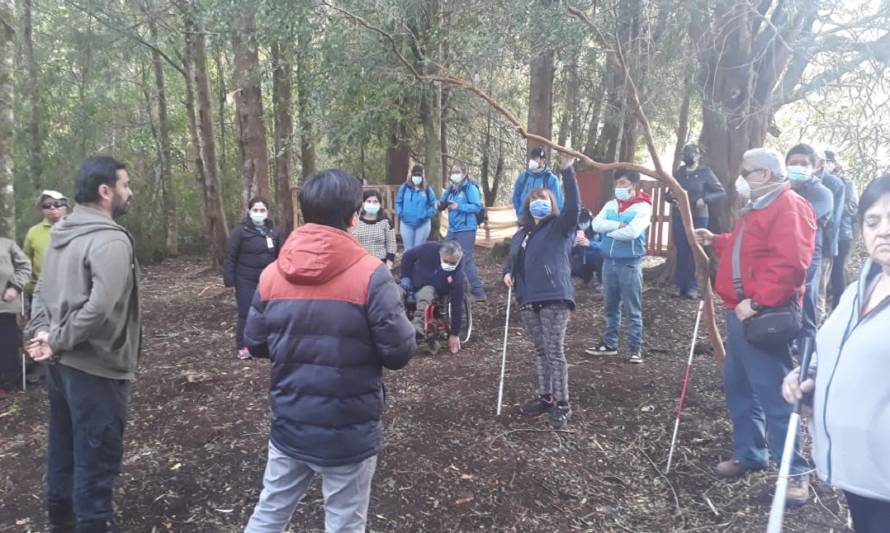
[417, 170]
[537, 152]
[691, 149]
[830, 156]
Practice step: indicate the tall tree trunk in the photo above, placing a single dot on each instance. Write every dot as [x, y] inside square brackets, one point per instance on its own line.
[284, 132]
[429, 118]
[593, 128]
[168, 197]
[304, 107]
[7, 118]
[32, 88]
[196, 54]
[398, 154]
[221, 93]
[569, 124]
[683, 122]
[540, 97]
[249, 105]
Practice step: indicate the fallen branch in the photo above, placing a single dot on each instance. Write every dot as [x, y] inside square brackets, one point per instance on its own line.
[701, 259]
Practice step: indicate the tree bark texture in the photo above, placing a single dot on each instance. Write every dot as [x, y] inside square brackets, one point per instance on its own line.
[35, 103]
[284, 132]
[540, 97]
[7, 118]
[249, 106]
[304, 80]
[168, 197]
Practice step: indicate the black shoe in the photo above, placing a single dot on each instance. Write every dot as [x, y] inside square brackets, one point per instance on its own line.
[560, 415]
[540, 405]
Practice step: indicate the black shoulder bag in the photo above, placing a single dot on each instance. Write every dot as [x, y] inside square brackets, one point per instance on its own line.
[771, 326]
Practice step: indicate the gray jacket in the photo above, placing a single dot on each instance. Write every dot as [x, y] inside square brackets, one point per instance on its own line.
[88, 296]
[15, 272]
[852, 397]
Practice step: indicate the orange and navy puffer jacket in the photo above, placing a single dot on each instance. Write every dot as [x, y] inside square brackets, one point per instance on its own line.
[330, 317]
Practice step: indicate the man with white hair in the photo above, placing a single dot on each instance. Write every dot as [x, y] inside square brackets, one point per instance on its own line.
[762, 264]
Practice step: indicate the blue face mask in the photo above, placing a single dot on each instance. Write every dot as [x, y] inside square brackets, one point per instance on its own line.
[371, 209]
[258, 218]
[448, 267]
[798, 174]
[622, 194]
[584, 226]
[540, 208]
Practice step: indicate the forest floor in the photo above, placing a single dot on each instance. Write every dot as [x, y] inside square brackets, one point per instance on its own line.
[199, 422]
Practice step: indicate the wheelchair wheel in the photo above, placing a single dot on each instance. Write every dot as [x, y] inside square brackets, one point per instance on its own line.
[466, 326]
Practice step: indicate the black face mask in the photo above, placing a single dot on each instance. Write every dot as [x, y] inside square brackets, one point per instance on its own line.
[689, 160]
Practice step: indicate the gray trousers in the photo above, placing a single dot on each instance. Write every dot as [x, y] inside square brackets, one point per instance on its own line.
[546, 325]
[346, 490]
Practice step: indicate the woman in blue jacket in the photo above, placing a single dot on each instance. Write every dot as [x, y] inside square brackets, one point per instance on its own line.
[849, 391]
[463, 200]
[540, 270]
[416, 206]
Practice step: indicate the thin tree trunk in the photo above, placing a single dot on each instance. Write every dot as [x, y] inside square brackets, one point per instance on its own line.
[432, 147]
[683, 122]
[307, 141]
[217, 229]
[398, 154]
[32, 88]
[540, 97]
[249, 105]
[166, 172]
[7, 119]
[593, 129]
[221, 92]
[284, 131]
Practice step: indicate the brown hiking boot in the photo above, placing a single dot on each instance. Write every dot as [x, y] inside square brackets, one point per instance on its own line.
[731, 468]
[798, 492]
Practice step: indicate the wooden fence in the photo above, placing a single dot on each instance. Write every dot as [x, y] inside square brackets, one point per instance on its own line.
[502, 223]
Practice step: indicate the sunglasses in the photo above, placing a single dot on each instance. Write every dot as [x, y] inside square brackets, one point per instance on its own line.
[54, 205]
[746, 173]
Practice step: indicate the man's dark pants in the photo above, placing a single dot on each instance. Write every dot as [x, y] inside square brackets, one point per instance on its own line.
[86, 430]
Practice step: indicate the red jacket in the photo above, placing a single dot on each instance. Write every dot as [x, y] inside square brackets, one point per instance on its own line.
[778, 243]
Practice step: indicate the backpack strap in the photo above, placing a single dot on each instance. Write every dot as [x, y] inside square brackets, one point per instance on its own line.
[737, 262]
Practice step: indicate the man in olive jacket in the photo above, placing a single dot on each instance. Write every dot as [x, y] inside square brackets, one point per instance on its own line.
[86, 320]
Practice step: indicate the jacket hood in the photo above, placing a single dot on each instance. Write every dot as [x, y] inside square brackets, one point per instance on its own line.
[314, 254]
[83, 220]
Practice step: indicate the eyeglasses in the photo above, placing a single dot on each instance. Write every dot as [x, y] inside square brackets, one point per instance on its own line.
[746, 173]
[54, 205]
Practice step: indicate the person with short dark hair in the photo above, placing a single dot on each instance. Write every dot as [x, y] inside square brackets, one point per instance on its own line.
[330, 318]
[463, 200]
[536, 175]
[846, 385]
[86, 320]
[587, 262]
[252, 246]
[539, 270]
[769, 250]
[433, 270]
[623, 222]
[416, 207]
[801, 162]
[375, 231]
[704, 191]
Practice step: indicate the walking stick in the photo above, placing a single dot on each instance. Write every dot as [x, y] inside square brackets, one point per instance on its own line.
[682, 401]
[24, 355]
[777, 509]
[504, 354]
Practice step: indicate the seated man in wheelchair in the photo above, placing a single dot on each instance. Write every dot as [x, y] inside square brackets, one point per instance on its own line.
[432, 271]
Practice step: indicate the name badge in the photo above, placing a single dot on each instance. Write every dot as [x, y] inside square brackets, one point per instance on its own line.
[269, 242]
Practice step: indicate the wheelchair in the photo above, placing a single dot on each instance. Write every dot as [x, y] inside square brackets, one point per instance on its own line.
[437, 319]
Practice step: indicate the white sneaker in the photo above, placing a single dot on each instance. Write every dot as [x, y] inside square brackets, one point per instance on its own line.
[636, 358]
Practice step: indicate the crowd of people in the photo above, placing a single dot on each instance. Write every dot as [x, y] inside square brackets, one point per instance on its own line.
[323, 306]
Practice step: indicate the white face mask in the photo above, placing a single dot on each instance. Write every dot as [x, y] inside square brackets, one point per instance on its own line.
[448, 267]
[743, 188]
[533, 165]
[416, 180]
[370, 208]
[258, 218]
[456, 178]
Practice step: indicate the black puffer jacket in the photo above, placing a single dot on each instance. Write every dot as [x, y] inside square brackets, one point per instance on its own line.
[248, 252]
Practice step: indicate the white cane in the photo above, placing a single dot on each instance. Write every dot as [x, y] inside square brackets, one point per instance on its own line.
[504, 354]
[24, 355]
[777, 509]
[685, 386]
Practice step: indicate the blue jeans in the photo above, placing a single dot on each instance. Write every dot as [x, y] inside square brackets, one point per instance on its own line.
[809, 321]
[753, 385]
[684, 276]
[623, 293]
[87, 416]
[467, 241]
[414, 236]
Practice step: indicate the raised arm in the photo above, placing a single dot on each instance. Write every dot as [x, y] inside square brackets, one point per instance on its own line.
[568, 217]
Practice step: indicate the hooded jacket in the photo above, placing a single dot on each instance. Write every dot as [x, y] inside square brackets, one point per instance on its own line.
[469, 202]
[15, 272]
[415, 206]
[87, 297]
[330, 318]
[249, 250]
[851, 419]
[539, 257]
[529, 181]
[629, 241]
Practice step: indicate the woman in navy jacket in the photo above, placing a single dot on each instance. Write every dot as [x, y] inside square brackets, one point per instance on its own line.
[540, 269]
[253, 244]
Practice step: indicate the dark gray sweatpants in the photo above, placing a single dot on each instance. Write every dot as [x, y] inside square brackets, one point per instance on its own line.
[546, 324]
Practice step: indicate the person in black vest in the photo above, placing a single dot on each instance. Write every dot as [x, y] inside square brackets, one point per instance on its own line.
[253, 244]
[704, 190]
